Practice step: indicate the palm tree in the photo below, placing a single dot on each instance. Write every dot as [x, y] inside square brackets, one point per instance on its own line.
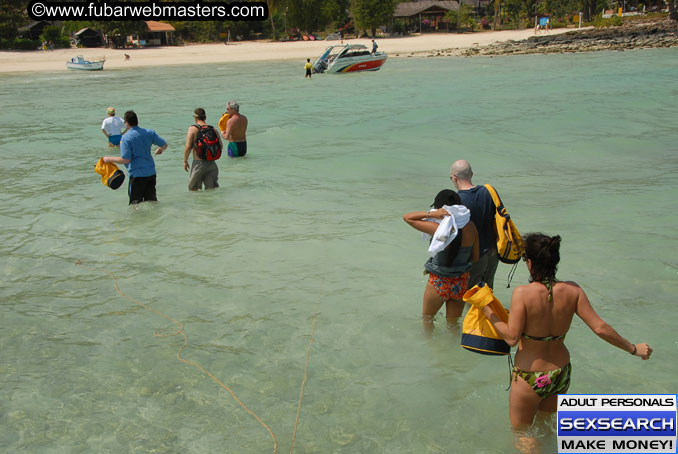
[271, 7]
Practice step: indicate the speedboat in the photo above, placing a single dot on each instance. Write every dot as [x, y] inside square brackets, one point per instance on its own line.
[80, 63]
[348, 58]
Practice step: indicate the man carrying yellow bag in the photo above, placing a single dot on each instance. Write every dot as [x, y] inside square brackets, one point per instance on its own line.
[498, 236]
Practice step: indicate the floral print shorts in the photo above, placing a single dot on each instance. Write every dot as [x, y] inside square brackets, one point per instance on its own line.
[449, 288]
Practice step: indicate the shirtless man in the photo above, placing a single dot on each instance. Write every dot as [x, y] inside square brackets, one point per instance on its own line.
[235, 131]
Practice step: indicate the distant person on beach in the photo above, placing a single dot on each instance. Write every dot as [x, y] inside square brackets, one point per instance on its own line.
[127, 57]
[374, 47]
[308, 66]
[112, 127]
[479, 200]
[236, 128]
[135, 154]
[203, 171]
[448, 268]
[539, 318]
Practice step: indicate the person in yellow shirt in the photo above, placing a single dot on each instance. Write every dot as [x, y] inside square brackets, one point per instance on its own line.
[308, 66]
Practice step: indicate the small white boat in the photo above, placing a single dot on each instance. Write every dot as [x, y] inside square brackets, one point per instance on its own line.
[85, 65]
[348, 58]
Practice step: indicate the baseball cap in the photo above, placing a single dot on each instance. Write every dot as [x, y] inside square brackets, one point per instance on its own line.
[111, 110]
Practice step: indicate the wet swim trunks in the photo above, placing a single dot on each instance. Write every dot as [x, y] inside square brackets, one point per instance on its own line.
[449, 288]
[115, 140]
[548, 383]
[237, 149]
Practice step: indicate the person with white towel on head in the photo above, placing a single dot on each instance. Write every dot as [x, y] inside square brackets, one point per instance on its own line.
[453, 248]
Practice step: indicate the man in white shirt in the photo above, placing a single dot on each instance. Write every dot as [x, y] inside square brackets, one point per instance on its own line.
[111, 127]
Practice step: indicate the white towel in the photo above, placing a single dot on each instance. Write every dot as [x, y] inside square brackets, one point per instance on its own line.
[426, 236]
[449, 228]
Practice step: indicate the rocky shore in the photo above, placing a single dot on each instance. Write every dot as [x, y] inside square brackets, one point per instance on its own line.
[631, 35]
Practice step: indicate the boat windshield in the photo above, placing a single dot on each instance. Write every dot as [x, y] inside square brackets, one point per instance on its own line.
[355, 52]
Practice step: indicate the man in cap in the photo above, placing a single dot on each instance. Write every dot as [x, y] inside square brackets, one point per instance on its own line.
[111, 127]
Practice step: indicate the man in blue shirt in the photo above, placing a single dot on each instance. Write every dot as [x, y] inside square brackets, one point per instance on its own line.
[135, 154]
[479, 201]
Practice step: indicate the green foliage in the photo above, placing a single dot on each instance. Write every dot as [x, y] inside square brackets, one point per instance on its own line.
[307, 15]
[370, 14]
[51, 33]
[462, 18]
[12, 16]
[19, 44]
[73, 26]
[614, 21]
[337, 11]
[117, 31]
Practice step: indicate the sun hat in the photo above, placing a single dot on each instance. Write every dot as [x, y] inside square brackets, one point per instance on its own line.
[111, 111]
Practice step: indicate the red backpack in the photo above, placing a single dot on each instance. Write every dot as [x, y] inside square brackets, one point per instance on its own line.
[207, 144]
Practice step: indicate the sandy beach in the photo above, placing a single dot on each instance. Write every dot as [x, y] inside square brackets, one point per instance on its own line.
[55, 60]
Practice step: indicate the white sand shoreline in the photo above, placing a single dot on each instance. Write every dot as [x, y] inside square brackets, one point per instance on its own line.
[55, 60]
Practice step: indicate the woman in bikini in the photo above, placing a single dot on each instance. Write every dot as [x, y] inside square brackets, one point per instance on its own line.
[540, 316]
[449, 269]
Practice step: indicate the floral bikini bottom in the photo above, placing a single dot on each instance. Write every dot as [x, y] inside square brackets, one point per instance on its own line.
[449, 288]
[548, 383]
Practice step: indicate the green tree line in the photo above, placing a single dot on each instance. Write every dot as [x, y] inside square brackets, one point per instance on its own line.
[362, 17]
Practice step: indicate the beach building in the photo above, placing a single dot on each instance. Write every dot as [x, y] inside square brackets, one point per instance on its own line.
[429, 15]
[157, 34]
[33, 30]
[88, 37]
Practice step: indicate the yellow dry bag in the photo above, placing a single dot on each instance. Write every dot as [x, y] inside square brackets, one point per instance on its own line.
[222, 122]
[478, 334]
[111, 176]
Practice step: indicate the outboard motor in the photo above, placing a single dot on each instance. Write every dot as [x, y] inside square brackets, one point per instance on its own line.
[320, 66]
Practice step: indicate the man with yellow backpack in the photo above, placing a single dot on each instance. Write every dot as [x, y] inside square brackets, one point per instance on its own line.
[495, 227]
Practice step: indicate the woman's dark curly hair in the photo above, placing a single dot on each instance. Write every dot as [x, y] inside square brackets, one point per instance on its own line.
[544, 252]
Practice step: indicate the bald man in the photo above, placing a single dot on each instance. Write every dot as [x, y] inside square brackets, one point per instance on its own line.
[479, 201]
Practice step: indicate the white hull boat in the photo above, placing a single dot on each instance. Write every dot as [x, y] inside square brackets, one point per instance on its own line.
[349, 58]
[79, 63]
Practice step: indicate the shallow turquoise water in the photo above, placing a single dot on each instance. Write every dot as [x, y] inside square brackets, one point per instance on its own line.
[308, 228]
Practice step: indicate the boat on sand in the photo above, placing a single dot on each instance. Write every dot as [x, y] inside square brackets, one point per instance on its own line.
[79, 63]
[348, 58]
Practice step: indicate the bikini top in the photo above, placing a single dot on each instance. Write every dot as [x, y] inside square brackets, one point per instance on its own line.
[545, 339]
[549, 285]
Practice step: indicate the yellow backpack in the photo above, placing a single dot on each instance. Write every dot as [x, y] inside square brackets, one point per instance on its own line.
[478, 334]
[510, 246]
